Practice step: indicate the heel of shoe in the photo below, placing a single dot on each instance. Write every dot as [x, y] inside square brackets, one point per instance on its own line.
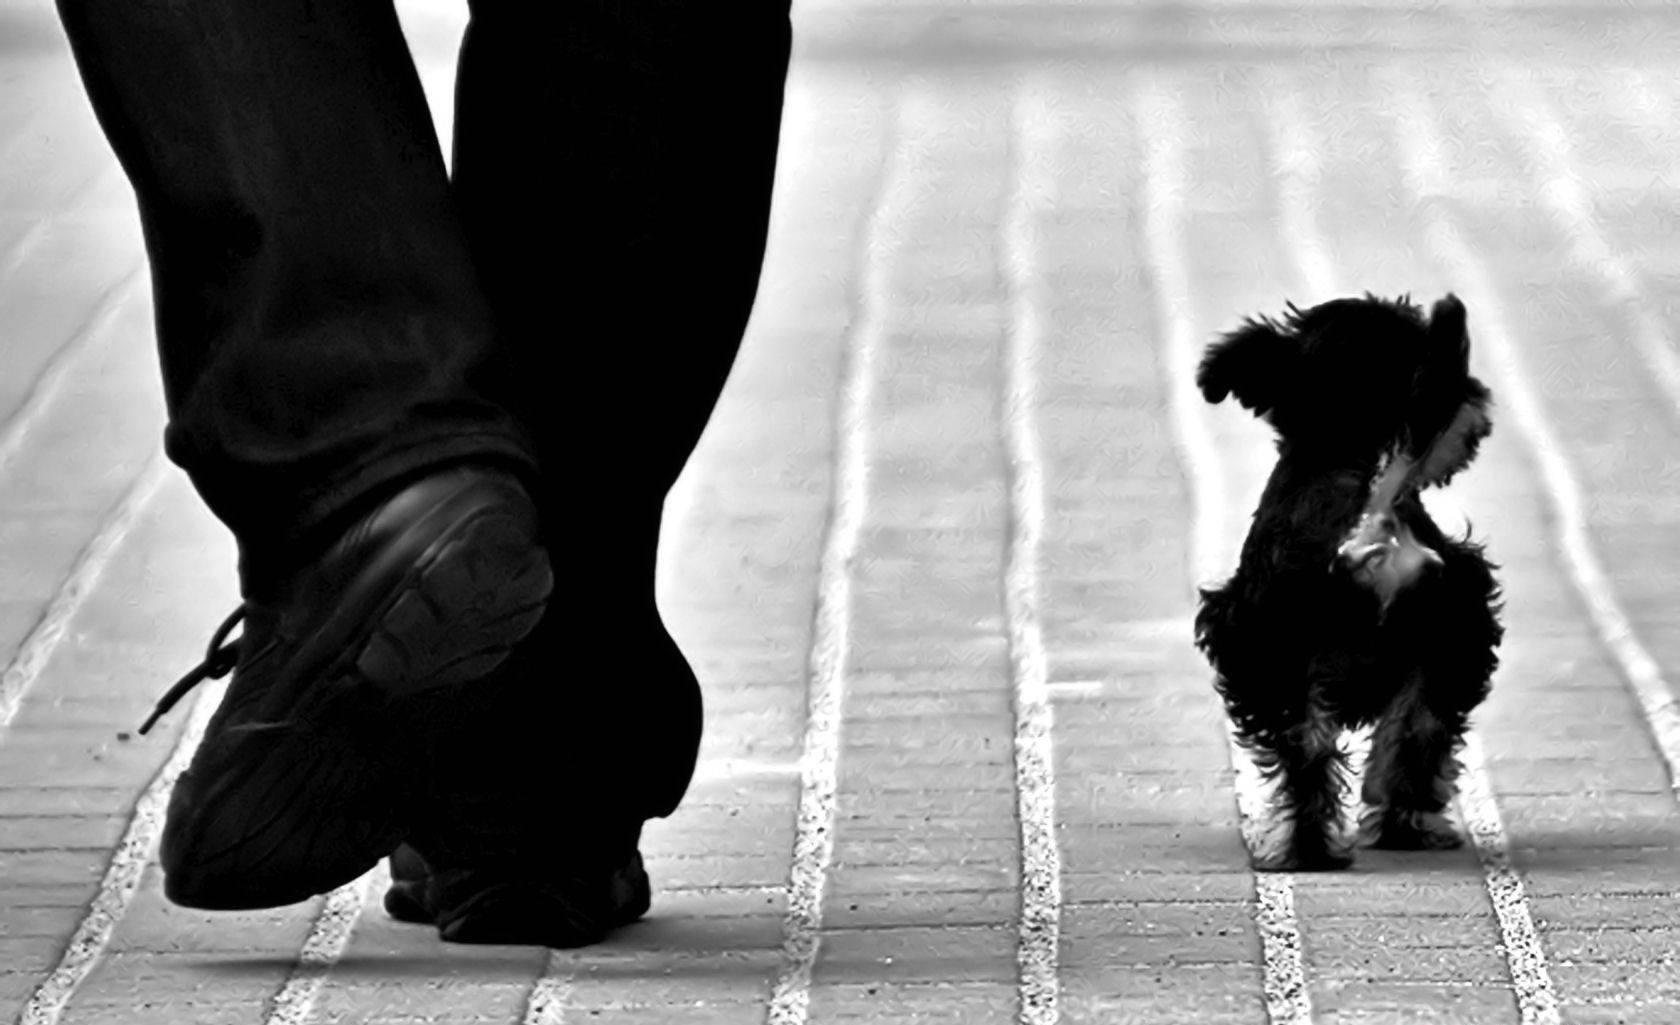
[477, 594]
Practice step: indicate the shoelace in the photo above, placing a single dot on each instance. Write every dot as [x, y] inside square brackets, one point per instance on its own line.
[219, 660]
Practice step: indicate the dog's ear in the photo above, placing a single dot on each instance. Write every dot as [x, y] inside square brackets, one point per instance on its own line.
[1447, 331]
[1255, 363]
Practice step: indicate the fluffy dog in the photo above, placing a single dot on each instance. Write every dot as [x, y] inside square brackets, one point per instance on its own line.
[1350, 607]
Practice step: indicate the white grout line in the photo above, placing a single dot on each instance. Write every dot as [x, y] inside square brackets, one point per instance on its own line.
[1564, 194]
[813, 846]
[294, 1004]
[1429, 180]
[122, 875]
[1159, 121]
[552, 992]
[36, 651]
[1524, 957]
[1032, 147]
[63, 363]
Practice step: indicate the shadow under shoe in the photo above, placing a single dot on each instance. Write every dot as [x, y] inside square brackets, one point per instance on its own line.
[551, 908]
[303, 777]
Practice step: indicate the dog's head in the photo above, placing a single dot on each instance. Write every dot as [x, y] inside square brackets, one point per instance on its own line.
[1366, 377]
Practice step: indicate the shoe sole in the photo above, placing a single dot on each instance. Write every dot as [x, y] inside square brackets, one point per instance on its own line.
[440, 604]
[443, 606]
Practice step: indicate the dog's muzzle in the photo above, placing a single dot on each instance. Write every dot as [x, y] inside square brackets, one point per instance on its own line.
[1382, 555]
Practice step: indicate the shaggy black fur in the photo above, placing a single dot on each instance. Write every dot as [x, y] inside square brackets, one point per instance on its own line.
[1303, 650]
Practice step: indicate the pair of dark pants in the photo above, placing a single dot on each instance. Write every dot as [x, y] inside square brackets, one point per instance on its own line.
[336, 314]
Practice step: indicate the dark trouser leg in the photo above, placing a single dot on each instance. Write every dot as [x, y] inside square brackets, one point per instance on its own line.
[321, 327]
[613, 167]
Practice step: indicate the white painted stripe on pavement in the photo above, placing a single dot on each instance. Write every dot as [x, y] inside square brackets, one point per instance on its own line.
[1524, 957]
[122, 875]
[552, 992]
[1536, 1001]
[65, 362]
[1032, 195]
[813, 846]
[1565, 195]
[1159, 119]
[328, 936]
[1429, 179]
[36, 651]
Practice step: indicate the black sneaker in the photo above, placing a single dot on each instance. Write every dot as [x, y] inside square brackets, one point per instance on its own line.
[557, 908]
[301, 782]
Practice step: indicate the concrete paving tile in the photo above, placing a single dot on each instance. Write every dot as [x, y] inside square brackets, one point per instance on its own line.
[1211, 988]
[917, 954]
[34, 955]
[688, 871]
[1401, 928]
[52, 868]
[1365, 1001]
[1650, 945]
[605, 979]
[1104, 946]
[911, 908]
[887, 881]
[1592, 983]
[720, 902]
[1588, 911]
[1473, 964]
[946, 1003]
[461, 1001]
[1132, 886]
[1633, 1011]
[187, 1012]
[910, 850]
[52, 832]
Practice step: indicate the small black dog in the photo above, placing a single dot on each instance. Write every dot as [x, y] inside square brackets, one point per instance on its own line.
[1350, 607]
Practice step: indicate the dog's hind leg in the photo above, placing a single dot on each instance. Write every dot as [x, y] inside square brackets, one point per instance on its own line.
[1412, 772]
[1310, 770]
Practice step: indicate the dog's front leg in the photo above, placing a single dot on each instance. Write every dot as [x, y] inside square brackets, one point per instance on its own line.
[1310, 770]
[1412, 774]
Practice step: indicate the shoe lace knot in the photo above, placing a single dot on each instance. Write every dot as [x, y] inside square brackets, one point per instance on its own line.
[219, 660]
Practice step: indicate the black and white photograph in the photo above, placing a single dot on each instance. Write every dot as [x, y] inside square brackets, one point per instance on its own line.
[840, 512]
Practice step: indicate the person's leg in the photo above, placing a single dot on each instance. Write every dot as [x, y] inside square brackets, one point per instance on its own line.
[613, 167]
[321, 327]
[326, 351]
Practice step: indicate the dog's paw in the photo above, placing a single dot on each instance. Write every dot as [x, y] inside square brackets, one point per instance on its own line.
[1390, 830]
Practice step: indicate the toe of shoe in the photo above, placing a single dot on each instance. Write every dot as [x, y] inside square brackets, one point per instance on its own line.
[222, 850]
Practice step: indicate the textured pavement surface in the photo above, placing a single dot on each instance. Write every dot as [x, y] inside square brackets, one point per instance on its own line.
[934, 559]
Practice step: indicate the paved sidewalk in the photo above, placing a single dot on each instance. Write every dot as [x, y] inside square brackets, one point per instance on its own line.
[935, 557]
